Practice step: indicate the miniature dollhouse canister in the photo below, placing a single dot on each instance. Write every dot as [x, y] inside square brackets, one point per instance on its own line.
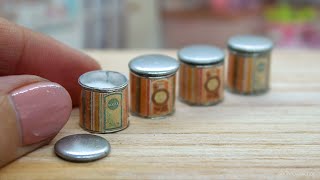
[152, 85]
[249, 64]
[104, 101]
[201, 75]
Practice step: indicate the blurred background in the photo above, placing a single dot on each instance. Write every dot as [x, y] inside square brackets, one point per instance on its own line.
[100, 24]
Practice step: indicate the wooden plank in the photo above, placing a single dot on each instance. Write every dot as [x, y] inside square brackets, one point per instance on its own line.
[275, 135]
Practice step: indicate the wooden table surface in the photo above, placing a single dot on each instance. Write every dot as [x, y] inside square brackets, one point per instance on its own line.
[275, 135]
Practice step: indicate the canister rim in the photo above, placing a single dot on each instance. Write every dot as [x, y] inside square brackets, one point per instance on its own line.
[101, 80]
[250, 44]
[201, 54]
[154, 65]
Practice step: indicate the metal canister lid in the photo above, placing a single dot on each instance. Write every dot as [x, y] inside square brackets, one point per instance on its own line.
[201, 55]
[103, 80]
[154, 65]
[250, 44]
[82, 148]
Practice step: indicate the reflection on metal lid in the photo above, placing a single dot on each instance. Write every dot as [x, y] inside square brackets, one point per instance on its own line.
[201, 54]
[154, 65]
[250, 43]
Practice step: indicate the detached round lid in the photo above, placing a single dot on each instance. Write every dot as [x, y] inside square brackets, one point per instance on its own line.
[103, 80]
[250, 43]
[201, 55]
[82, 148]
[154, 65]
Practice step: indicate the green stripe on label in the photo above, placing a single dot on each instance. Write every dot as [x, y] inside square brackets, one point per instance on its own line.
[113, 111]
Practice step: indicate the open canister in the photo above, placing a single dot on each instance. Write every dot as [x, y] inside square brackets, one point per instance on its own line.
[152, 85]
[201, 75]
[104, 101]
[249, 64]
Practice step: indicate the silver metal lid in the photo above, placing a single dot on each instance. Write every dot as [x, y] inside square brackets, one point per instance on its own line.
[154, 65]
[103, 80]
[250, 43]
[82, 148]
[201, 55]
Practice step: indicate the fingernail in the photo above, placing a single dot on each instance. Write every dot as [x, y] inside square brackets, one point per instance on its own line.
[43, 109]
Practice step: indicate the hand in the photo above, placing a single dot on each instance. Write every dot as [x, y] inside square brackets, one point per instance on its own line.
[36, 74]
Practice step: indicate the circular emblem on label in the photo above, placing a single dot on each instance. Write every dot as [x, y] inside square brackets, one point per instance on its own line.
[113, 104]
[160, 97]
[212, 84]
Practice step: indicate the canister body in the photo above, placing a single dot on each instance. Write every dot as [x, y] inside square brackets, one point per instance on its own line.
[104, 101]
[104, 112]
[152, 97]
[248, 73]
[201, 85]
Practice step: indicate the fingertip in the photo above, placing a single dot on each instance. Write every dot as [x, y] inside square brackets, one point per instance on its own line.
[56, 62]
[42, 109]
[23, 51]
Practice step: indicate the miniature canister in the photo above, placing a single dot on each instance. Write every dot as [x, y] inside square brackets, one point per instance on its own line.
[201, 75]
[104, 101]
[152, 85]
[249, 64]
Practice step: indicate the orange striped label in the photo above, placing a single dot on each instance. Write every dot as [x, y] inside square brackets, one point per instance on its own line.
[152, 97]
[231, 71]
[104, 112]
[248, 75]
[201, 85]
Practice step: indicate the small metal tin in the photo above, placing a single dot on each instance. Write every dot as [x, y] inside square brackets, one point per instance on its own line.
[249, 64]
[82, 148]
[152, 85]
[104, 101]
[201, 75]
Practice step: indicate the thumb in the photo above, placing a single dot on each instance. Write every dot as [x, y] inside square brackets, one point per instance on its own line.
[32, 112]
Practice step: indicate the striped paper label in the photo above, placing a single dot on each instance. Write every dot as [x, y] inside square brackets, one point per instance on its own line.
[248, 74]
[152, 97]
[104, 112]
[201, 85]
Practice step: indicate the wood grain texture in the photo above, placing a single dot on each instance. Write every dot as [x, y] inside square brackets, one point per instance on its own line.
[275, 135]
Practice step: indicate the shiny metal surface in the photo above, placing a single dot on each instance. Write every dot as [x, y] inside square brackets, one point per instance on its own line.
[103, 80]
[82, 148]
[250, 43]
[154, 65]
[201, 55]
